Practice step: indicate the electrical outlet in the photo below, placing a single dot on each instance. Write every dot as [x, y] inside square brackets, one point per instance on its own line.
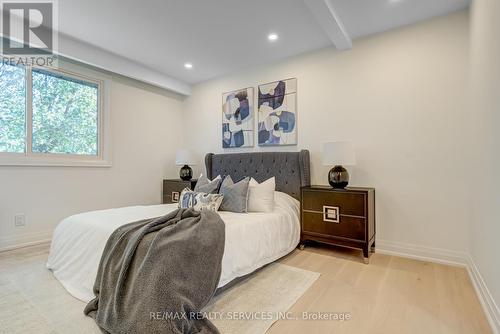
[19, 220]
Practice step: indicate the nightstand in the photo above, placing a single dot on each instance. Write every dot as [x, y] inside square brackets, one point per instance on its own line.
[172, 189]
[341, 217]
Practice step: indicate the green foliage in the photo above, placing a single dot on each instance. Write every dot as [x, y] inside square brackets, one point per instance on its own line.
[65, 113]
[12, 109]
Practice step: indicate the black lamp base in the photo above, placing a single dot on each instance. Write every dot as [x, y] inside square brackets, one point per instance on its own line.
[338, 177]
[186, 173]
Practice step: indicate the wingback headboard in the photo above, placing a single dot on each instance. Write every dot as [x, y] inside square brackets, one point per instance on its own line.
[291, 169]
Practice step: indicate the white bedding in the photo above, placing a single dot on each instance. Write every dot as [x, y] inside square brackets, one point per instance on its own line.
[252, 241]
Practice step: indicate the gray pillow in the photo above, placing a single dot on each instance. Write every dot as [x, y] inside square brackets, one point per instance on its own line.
[235, 195]
[204, 185]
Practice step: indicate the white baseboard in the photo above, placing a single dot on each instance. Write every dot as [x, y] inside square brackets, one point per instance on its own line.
[423, 253]
[483, 293]
[443, 256]
[24, 240]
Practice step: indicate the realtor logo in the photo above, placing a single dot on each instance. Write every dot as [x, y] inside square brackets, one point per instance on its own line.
[29, 28]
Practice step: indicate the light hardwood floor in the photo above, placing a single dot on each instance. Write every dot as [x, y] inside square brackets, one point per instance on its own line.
[390, 295]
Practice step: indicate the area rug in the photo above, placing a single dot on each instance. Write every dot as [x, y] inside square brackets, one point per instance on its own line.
[33, 301]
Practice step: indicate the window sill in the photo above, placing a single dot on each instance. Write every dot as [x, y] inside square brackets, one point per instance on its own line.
[54, 163]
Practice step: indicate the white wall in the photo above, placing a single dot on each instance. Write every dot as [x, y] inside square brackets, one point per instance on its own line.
[145, 135]
[401, 98]
[485, 146]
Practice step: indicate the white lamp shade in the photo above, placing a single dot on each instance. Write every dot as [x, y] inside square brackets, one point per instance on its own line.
[184, 157]
[339, 153]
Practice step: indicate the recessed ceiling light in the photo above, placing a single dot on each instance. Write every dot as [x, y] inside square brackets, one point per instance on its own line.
[188, 65]
[272, 37]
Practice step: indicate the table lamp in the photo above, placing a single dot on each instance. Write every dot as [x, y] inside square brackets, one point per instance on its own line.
[338, 154]
[185, 158]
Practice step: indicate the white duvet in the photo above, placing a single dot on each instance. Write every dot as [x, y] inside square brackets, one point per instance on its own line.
[252, 241]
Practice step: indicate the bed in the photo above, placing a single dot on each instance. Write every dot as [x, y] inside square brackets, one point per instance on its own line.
[252, 239]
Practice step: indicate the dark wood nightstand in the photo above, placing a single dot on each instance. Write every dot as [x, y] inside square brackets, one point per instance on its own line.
[341, 217]
[172, 189]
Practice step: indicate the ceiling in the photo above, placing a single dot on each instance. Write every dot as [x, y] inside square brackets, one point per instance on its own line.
[365, 17]
[221, 36]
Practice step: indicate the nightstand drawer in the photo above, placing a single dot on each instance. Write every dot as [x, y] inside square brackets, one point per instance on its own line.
[173, 188]
[347, 227]
[174, 198]
[349, 203]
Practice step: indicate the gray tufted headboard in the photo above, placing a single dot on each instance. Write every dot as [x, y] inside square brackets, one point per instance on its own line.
[291, 169]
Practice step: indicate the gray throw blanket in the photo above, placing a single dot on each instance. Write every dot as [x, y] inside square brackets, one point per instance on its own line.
[155, 275]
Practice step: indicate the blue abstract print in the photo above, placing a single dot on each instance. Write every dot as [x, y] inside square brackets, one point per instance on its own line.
[237, 118]
[277, 113]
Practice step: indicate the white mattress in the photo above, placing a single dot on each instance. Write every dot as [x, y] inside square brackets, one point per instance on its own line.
[252, 241]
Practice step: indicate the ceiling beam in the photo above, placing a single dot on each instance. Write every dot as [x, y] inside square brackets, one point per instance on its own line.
[327, 17]
[83, 52]
[88, 54]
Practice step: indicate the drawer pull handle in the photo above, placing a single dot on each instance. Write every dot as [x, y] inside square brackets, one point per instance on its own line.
[331, 214]
[175, 196]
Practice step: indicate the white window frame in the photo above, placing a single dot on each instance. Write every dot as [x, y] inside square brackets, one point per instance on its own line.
[102, 159]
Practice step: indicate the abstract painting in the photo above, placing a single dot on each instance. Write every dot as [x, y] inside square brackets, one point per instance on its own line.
[278, 113]
[237, 118]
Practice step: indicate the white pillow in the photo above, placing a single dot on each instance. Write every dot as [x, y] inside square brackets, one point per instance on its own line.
[261, 195]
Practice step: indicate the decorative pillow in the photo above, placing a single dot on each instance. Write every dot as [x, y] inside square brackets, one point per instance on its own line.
[261, 195]
[235, 194]
[199, 201]
[204, 185]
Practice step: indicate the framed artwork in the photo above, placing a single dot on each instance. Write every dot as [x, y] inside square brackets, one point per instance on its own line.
[277, 115]
[238, 118]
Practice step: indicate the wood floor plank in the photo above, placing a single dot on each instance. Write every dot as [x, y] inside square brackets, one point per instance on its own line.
[390, 295]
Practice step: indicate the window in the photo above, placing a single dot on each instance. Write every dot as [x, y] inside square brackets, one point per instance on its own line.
[50, 117]
[12, 109]
[65, 114]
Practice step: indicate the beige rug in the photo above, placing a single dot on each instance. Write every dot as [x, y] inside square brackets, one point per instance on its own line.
[33, 301]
